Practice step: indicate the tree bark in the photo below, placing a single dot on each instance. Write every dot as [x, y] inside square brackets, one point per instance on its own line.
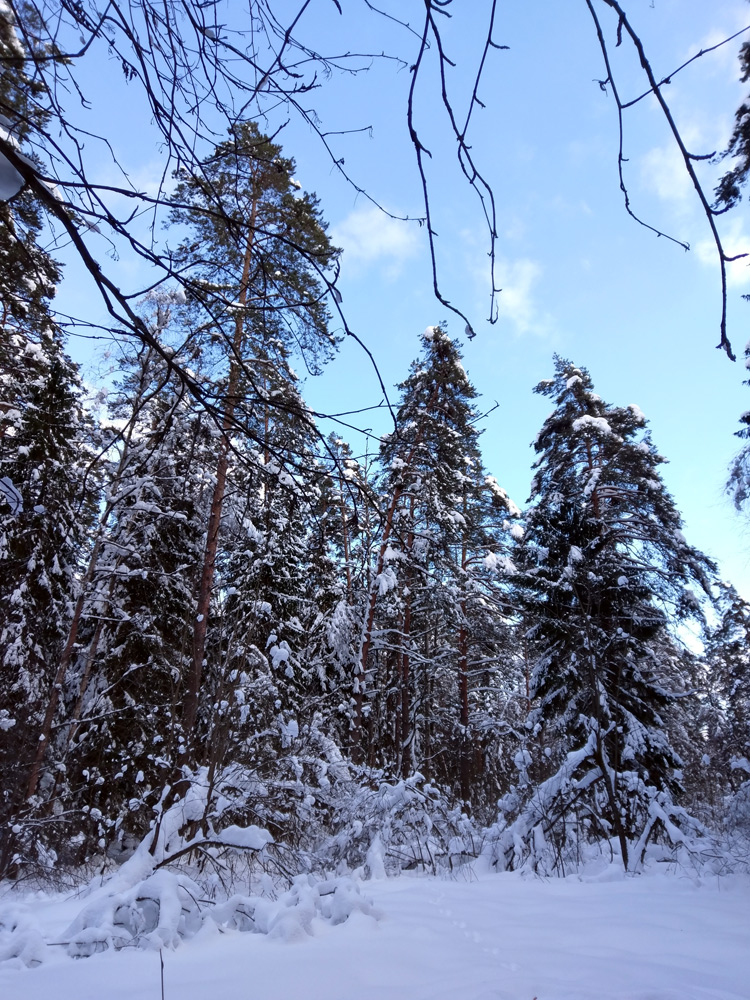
[366, 639]
[208, 572]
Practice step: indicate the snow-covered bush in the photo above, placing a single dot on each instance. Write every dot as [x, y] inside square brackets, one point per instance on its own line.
[21, 942]
[407, 824]
[168, 907]
[158, 912]
[738, 811]
[557, 827]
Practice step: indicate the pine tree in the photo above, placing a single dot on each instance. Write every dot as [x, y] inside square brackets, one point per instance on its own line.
[255, 261]
[607, 575]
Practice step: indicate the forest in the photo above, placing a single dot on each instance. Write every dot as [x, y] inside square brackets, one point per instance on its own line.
[230, 639]
[248, 606]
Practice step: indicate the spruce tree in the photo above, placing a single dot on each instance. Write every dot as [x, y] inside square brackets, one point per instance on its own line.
[606, 577]
[47, 463]
[265, 564]
[440, 617]
[134, 641]
[721, 772]
[48, 480]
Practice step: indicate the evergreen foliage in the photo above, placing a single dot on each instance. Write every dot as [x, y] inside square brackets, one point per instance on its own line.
[49, 483]
[213, 612]
[606, 577]
[135, 637]
[48, 466]
[442, 631]
[211, 617]
[725, 720]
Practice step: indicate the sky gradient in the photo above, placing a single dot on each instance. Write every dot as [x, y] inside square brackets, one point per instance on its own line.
[579, 277]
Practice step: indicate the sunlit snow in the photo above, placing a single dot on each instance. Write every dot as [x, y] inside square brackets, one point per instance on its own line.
[473, 936]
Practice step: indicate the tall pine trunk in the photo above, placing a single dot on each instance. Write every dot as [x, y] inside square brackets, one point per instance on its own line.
[208, 571]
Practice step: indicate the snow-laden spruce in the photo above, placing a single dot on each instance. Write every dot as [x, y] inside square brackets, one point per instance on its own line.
[605, 577]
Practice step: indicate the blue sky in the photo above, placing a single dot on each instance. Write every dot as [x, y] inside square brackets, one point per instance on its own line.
[579, 277]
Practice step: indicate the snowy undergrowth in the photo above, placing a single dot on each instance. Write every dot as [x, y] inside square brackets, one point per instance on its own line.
[191, 876]
[184, 875]
[551, 829]
[388, 827]
[191, 871]
[168, 907]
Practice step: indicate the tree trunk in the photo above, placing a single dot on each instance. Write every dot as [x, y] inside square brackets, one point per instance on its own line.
[208, 571]
[465, 748]
[463, 694]
[406, 735]
[366, 639]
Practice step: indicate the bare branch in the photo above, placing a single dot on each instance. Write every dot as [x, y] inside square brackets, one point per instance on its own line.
[688, 158]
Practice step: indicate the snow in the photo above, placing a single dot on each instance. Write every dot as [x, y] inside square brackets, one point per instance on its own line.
[385, 581]
[253, 838]
[637, 413]
[279, 653]
[600, 936]
[598, 425]
[10, 495]
[499, 492]
[11, 181]
[499, 564]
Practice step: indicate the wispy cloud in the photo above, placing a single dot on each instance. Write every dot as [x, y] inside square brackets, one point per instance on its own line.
[663, 172]
[723, 59]
[516, 303]
[736, 240]
[369, 237]
[517, 277]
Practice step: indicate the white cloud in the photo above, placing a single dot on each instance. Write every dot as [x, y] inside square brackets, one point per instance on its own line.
[663, 172]
[368, 236]
[736, 240]
[705, 127]
[723, 59]
[515, 303]
[517, 277]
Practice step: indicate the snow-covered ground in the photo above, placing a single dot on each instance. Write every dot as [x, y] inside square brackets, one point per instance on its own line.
[655, 936]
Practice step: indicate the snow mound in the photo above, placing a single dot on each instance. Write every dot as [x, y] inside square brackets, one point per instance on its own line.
[21, 942]
[168, 908]
[290, 918]
[158, 912]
